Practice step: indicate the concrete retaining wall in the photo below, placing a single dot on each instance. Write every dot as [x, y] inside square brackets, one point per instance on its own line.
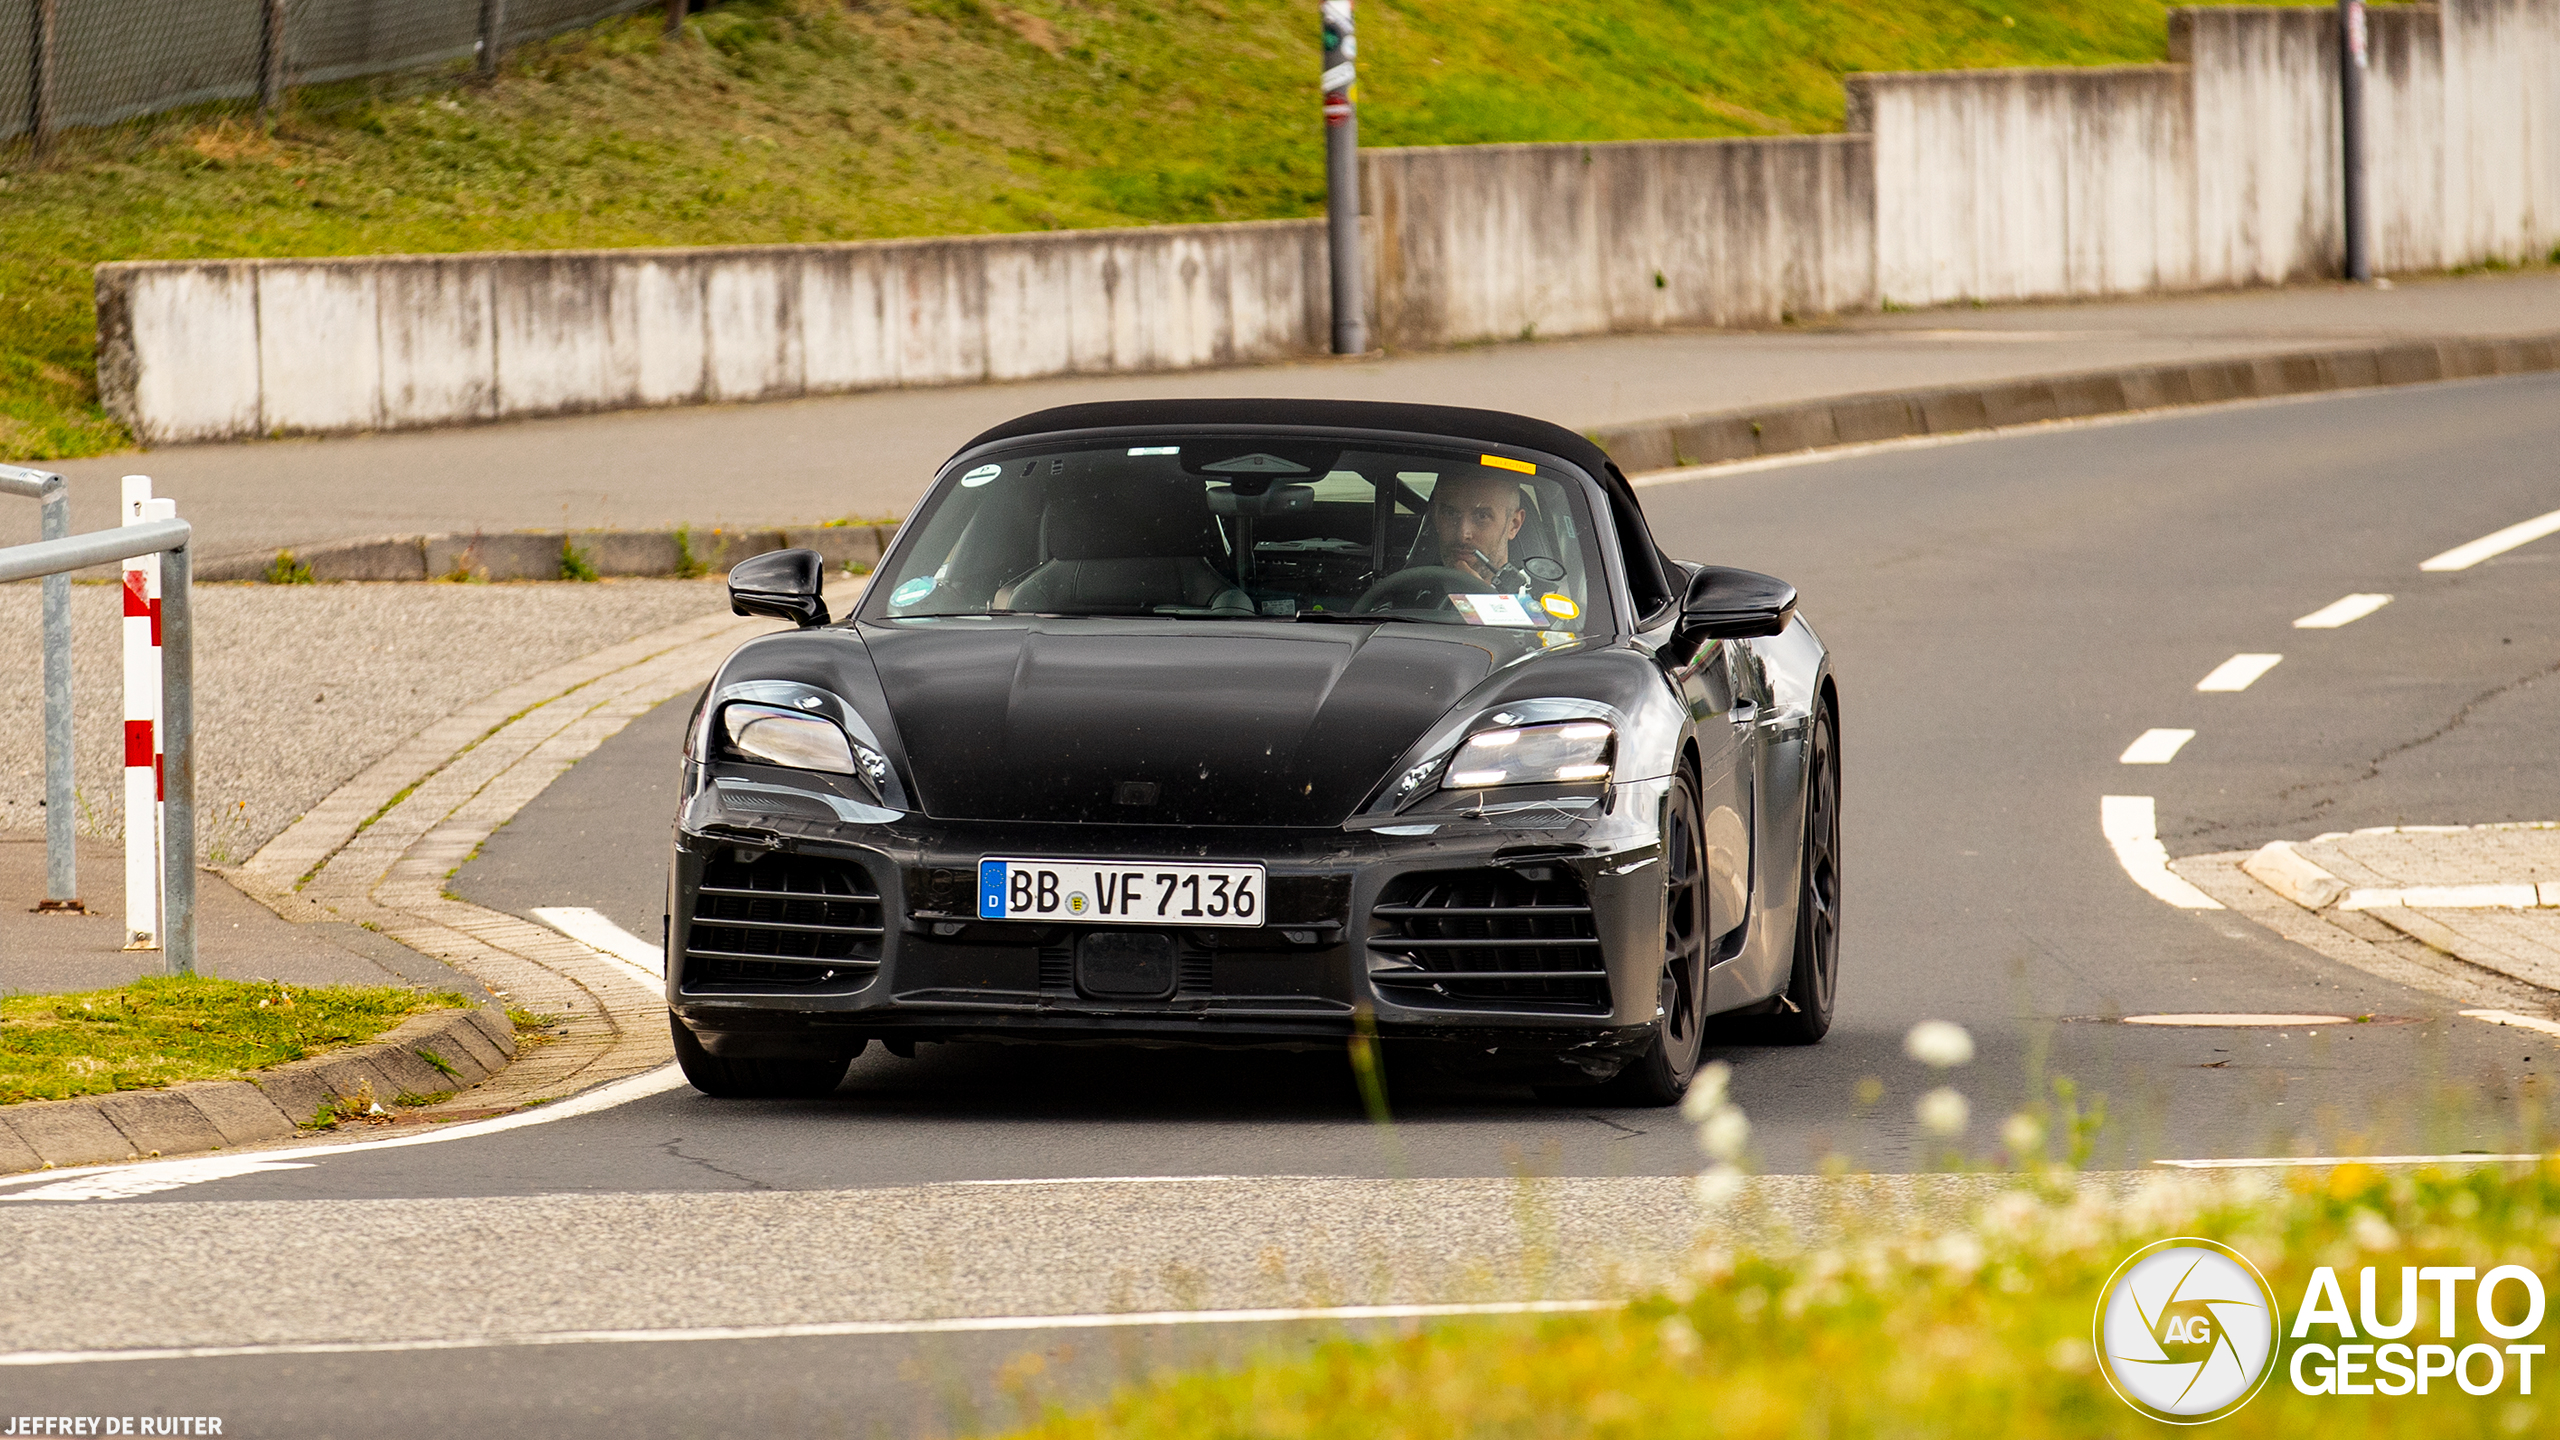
[1496, 242]
[213, 350]
[2218, 169]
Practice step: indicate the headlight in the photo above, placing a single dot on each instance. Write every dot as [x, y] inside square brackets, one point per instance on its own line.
[802, 742]
[1575, 752]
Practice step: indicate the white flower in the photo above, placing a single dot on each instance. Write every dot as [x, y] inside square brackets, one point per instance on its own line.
[1943, 1112]
[1707, 1092]
[1940, 1043]
[1717, 1187]
[2023, 1134]
[1725, 1133]
[2372, 1231]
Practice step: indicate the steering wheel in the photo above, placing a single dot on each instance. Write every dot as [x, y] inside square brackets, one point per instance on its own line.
[1439, 581]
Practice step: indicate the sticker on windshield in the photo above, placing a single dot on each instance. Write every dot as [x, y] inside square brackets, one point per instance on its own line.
[1560, 606]
[981, 475]
[1491, 609]
[912, 591]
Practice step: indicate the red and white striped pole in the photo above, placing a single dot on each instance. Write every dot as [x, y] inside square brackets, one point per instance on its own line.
[142, 870]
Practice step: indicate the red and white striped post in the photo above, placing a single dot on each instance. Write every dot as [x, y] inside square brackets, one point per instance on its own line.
[142, 784]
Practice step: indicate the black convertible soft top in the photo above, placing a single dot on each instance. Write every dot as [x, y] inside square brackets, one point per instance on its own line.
[1648, 570]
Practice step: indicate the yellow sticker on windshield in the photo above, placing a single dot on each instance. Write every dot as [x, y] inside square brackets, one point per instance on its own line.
[1503, 462]
[1560, 606]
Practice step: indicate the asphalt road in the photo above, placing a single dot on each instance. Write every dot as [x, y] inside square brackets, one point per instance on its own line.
[2007, 616]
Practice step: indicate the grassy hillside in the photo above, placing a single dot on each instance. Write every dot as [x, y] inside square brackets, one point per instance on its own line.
[850, 119]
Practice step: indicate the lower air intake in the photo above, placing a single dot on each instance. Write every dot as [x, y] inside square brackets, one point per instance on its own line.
[783, 921]
[1488, 940]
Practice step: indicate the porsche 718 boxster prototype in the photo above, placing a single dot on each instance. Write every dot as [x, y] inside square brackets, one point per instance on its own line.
[1263, 722]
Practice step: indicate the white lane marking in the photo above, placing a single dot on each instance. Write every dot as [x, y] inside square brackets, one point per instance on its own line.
[591, 929]
[2237, 673]
[2541, 1024]
[2344, 611]
[2128, 823]
[2291, 1161]
[968, 1326]
[196, 1172]
[2445, 897]
[2463, 557]
[2155, 747]
[2270, 1022]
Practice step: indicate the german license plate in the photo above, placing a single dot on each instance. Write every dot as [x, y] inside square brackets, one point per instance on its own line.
[1119, 892]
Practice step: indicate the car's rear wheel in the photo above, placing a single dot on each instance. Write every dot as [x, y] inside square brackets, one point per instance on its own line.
[1660, 1076]
[1803, 1015]
[733, 1079]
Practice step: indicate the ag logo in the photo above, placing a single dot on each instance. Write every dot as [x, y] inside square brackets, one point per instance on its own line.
[2186, 1331]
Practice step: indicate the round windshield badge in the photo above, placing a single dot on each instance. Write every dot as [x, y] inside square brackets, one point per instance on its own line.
[912, 591]
[2186, 1330]
[981, 475]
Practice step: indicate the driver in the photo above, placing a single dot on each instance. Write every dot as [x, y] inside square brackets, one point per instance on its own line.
[1475, 518]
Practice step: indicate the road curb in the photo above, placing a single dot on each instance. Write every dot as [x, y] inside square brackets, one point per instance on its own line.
[549, 554]
[439, 1051]
[1719, 437]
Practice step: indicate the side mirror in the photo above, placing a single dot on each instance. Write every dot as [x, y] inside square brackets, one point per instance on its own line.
[1728, 604]
[786, 584]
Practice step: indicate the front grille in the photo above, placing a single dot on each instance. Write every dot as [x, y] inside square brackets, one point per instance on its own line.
[1489, 939]
[783, 920]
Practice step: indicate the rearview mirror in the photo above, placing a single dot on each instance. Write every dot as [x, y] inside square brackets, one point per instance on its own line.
[1728, 604]
[786, 584]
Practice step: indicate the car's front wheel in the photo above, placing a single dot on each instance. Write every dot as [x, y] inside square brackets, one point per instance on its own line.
[729, 1079]
[1660, 1076]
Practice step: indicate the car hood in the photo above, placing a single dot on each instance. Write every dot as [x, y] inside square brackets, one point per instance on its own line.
[1166, 722]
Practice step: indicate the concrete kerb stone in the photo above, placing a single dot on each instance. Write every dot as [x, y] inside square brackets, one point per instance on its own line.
[67, 1132]
[539, 554]
[1715, 438]
[159, 1122]
[270, 1105]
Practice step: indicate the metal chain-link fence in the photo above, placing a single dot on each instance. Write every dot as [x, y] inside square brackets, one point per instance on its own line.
[67, 63]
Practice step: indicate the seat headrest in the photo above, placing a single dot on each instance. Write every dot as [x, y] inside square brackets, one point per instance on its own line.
[1130, 520]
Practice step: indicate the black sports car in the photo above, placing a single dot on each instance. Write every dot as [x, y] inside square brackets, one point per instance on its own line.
[1263, 722]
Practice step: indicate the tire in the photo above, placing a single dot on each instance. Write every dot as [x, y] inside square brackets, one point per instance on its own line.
[1660, 1076]
[1813, 982]
[726, 1079]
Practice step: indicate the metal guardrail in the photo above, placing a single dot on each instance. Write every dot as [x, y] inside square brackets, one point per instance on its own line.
[55, 559]
[61, 860]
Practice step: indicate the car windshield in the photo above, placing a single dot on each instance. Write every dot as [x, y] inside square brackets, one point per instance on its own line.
[1285, 528]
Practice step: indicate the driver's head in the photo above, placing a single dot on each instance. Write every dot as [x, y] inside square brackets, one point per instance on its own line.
[1476, 513]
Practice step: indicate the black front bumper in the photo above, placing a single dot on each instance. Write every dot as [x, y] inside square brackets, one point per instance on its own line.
[893, 950]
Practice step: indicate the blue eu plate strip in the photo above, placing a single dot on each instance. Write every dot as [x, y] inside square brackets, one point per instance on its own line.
[990, 889]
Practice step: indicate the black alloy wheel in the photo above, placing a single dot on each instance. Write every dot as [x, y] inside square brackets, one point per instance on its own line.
[725, 1079]
[1660, 1076]
[1813, 984]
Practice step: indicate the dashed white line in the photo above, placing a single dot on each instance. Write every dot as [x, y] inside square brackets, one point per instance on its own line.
[2133, 833]
[963, 1326]
[2542, 1024]
[591, 929]
[2237, 673]
[2343, 611]
[2463, 557]
[2155, 747]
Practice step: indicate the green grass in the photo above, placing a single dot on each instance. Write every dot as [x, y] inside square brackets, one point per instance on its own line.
[1983, 1329]
[169, 1030]
[800, 120]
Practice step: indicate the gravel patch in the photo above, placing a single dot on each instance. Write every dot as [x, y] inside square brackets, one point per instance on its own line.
[299, 687]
